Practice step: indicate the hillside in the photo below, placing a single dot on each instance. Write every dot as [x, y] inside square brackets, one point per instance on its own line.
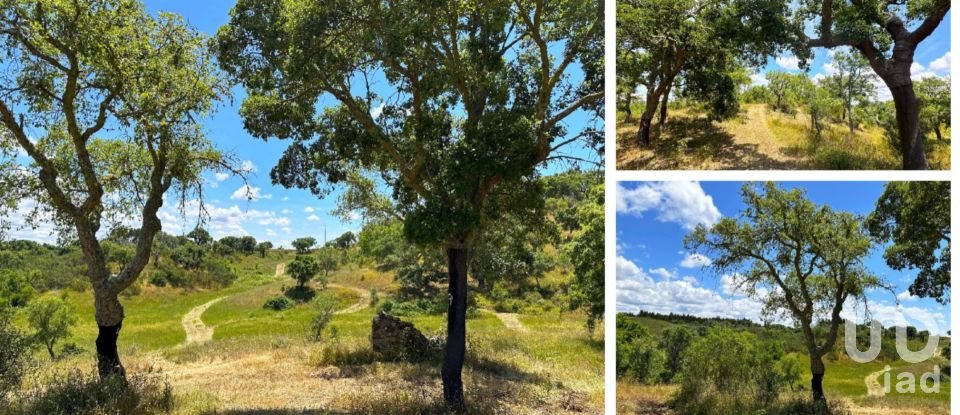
[858, 386]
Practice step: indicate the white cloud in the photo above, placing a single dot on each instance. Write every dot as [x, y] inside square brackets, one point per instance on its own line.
[221, 176]
[222, 221]
[663, 273]
[941, 64]
[313, 218]
[309, 209]
[695, 260]
[286, 229]
[285, 198]
[274, 221]
[906, 296]
[377, 111]
[684, 203]
[270, 232]
[918, 72]
[789, 62]
[248, 167]
[759, 79]
[247, 192]
[285, 211]
[638, 291]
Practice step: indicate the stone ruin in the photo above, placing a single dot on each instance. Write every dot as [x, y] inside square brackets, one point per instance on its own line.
[395, 339]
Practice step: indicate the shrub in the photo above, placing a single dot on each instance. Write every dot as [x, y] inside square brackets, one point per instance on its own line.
[732, 372]
[14, 355]
[79, 393]
[278, 303]
[15, 289]
[323, 313]
[374, 297]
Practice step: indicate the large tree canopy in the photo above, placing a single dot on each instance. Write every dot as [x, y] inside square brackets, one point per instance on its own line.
[661, 39]
[915, 217]
[880, 31]
[98, 102]
[802, 261]
[454, 103]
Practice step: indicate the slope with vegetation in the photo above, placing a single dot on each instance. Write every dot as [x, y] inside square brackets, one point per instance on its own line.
[209, 312]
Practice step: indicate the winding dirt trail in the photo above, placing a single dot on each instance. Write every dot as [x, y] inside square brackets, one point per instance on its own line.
[874, 388]
[511, 321]
[197, 332]
[363, 303]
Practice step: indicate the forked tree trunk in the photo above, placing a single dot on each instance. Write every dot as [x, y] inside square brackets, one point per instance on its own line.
[456, 327]
[908, 126]
[816, 382]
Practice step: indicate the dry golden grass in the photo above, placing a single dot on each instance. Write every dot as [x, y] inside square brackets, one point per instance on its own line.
[760, 139]
[636, 398]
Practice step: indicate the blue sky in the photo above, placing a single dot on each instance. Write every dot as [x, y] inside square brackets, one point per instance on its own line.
[932, 59]
[276, 214]
[655, 272]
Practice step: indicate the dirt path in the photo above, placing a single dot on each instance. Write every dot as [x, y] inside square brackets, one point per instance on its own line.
[691, 141]
[767, 151]
[364, 301]
[197, 332]
[511, 321]
[281, 269]
[874, 388]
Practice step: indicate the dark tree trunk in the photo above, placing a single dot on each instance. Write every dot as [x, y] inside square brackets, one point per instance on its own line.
[456, 327]
[816, 381]
[908, 126]
[50, 350]
[628, 109]
[108, 360]
[936, 129]
[646, 119]
[663, 108]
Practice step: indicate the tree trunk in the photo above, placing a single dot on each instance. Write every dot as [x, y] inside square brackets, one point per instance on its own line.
[108, 359]
[629, 103]
[936, 129]
[908, 126]
[663, 108]
[50, 350]
[646, 119]
[109, 316]
[816, 382]
[456, 327]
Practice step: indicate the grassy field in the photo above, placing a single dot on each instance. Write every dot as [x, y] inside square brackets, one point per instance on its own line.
[845, 380]
[260, 361]
[761, 139]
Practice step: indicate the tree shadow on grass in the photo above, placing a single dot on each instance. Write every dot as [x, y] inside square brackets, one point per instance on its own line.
[271, 412]
[301, 294]
[687, 142]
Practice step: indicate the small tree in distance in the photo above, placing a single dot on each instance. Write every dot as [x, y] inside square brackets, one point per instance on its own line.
[327, 260]
[303, 268]
[304, 245]
[263, 247]
[51, 317]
